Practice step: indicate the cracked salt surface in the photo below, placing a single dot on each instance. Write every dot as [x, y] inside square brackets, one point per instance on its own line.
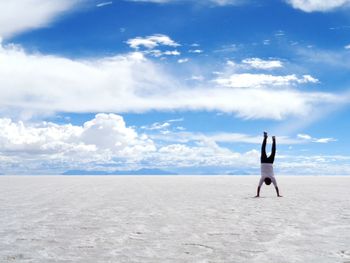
[173, 219]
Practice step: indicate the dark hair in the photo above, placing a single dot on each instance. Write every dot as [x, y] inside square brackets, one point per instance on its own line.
[267, 181]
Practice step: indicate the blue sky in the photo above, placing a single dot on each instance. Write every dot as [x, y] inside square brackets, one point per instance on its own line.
[177, 85]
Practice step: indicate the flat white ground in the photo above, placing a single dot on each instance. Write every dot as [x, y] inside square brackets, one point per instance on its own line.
[173, 219]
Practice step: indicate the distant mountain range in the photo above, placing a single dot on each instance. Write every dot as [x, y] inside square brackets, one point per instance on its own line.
[131, 172]
[241, 172]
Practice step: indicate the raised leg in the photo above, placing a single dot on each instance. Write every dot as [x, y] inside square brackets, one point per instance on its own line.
[263, 157]
[273, 150]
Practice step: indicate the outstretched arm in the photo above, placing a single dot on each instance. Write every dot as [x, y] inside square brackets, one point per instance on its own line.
[258, 192]
[278, 192]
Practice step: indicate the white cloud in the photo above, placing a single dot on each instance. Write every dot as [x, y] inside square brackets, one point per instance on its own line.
[347, 46]
[182, 60]
[308, 79]
[107, 143]
[307, 137]
[304, 136]
[161, 126]
[280, 33]
[17, 16]
[227, 2]
[172, 53]
[157, 126]
[196, 51]
[132, 83]
[337, 60]
[102, 139]
[158, 53]
[104, 4]
[258, 63]
[205, 154]
[325, 140]
[151, 42]
[104, 132]
[176, 120]
[197, 77]
[249, 80]
[223, 137]
[317, 5]
[314, 165]
[211, 2]
[231, 63]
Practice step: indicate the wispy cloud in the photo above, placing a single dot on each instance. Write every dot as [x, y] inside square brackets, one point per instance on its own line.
[227, 137]
[182, 60]
[259, 63]
[157, 126]
[145, 86]
[196, 51]
[249, 80]
[104, 4]
[307, 137]
[202, 2]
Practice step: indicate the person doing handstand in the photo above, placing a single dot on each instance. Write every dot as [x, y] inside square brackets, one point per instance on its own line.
[267, 174]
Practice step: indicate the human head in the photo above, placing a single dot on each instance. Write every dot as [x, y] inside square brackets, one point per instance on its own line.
[267, 181]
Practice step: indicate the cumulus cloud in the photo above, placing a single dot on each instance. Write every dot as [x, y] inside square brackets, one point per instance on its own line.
[104, 139]
[151, 45]
[258, 63]
[106, 142]
[17, 16]
[318, 5]
[104, 132]
[249, 80]
[151, 42]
